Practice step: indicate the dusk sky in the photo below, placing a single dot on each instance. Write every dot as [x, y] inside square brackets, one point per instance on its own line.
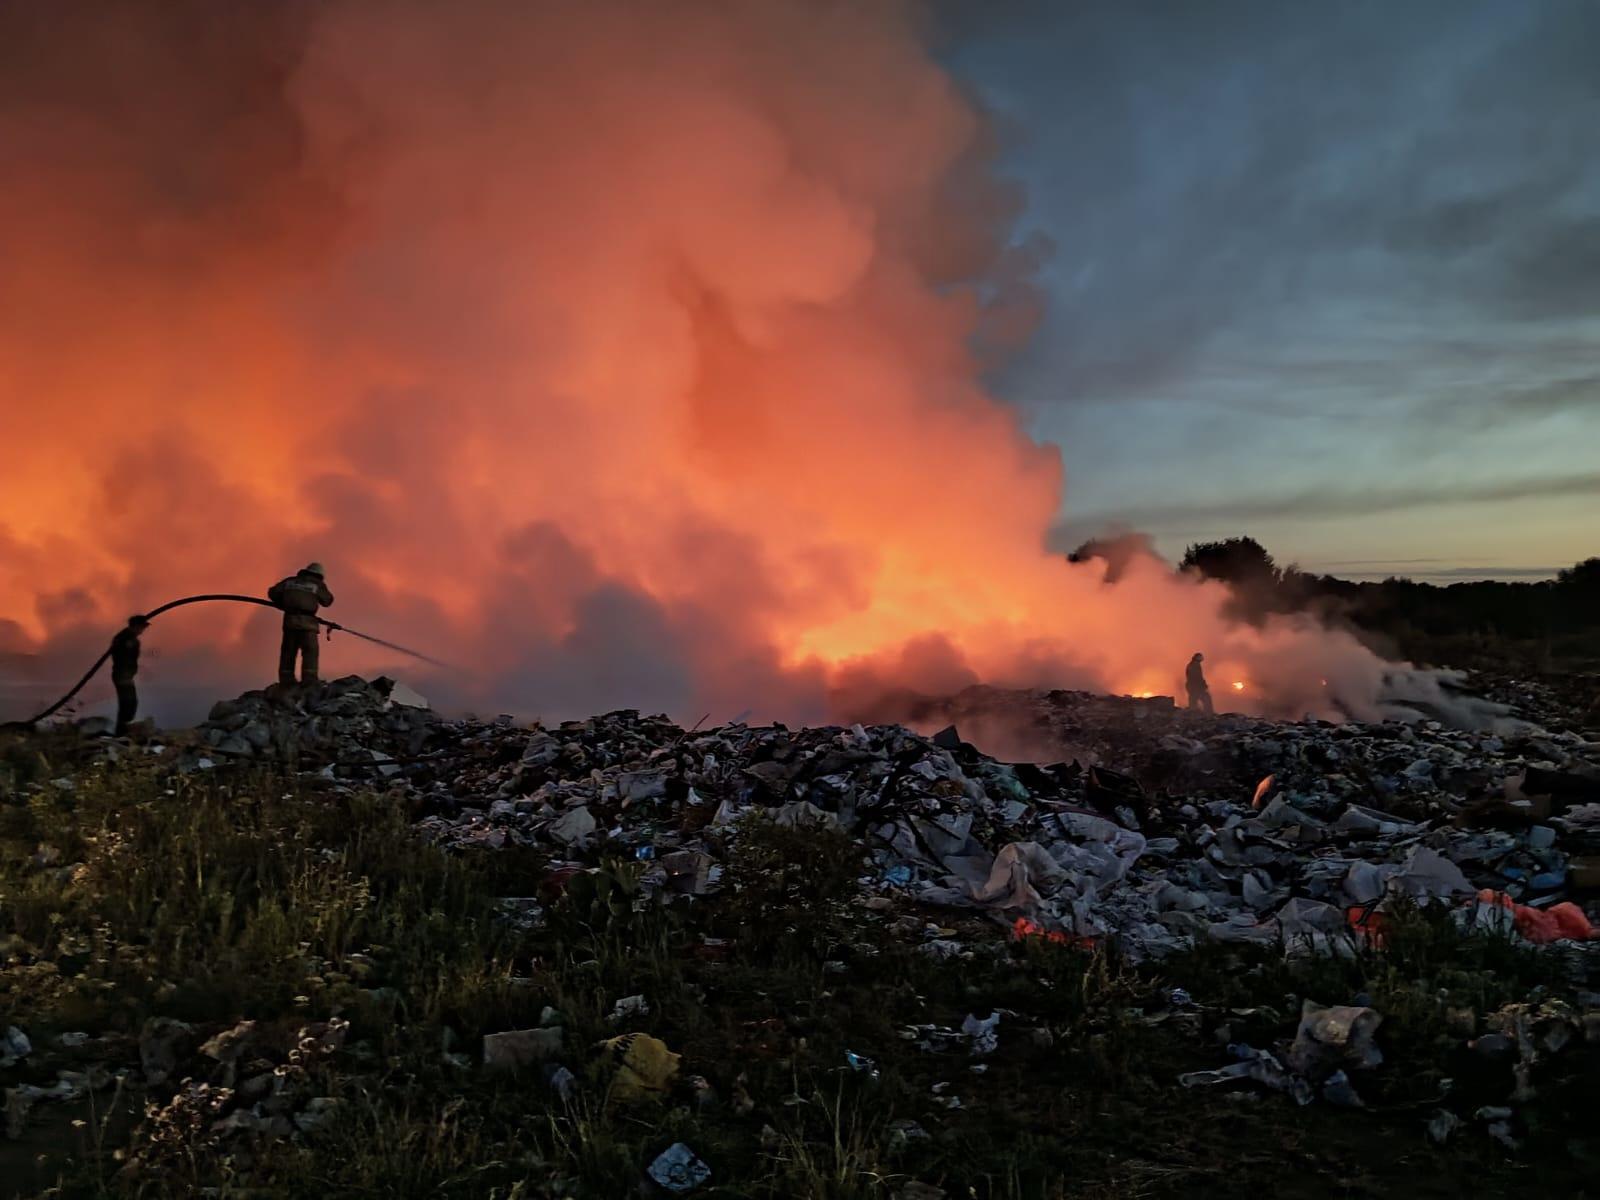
[1328, 275]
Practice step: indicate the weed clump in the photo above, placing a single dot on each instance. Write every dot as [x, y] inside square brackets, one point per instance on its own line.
[787, 885]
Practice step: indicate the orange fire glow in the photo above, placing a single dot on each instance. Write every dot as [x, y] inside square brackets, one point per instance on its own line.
[617, 350]
[1262, 789]
[1023, 928]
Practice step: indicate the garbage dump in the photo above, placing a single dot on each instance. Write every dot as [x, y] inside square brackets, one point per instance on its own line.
[1134, 826]
[1156, 828]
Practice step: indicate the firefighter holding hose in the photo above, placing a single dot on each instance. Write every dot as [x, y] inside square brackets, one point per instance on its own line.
[300, 595]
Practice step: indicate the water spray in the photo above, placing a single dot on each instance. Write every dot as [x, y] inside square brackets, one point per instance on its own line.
[217, 597]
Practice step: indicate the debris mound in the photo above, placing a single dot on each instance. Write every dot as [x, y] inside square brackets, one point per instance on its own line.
[347, 723]
[1156, 826]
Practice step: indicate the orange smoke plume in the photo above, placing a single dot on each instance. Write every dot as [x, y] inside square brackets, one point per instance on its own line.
[621, 350]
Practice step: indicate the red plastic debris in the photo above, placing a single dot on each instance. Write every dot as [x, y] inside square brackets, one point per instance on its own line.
[1559, 922]
[1023, 928]
[1368, 923]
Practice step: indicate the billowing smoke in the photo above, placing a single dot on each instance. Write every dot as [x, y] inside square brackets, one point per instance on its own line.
[628, 353]
[1116, 551]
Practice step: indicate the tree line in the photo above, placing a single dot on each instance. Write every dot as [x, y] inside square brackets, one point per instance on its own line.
[1557, 618]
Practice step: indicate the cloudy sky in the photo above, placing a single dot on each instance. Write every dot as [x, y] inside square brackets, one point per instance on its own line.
[1324, 274]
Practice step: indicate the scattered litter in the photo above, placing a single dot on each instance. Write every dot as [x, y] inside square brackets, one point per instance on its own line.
[1340, 1092]
[628, 1008]
[406, 696]
[983, 1034]
[645, 1067]
[14, 1046]
[1259, 1066]
[1333, 1037]
[861, 1063]
[1560, 922]
[1442, 1126]
[518, 1048]
[678, 1169]
[575, 826]
[564, 1084]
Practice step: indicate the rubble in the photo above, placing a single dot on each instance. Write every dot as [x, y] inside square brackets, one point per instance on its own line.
[1134, 824]
[1142, 822]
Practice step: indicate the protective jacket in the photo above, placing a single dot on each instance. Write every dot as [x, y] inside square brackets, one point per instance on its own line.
[300, 596]
[1196, 678]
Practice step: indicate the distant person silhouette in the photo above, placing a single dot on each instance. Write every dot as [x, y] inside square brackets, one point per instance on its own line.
[300, 595]
[124, 668]
[1199, 691]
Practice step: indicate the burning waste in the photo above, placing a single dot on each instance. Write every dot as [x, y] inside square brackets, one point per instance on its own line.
[1189, 842]
[680, 409]
[675, 408]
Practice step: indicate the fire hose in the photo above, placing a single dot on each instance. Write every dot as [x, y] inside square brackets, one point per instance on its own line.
[330, 626]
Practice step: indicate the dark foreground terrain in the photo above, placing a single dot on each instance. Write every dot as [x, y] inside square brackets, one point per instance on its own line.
[340, 946]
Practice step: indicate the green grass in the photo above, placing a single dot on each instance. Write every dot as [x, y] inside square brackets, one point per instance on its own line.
[229, 896]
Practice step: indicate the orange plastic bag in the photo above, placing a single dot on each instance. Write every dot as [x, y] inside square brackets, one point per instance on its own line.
[1559, 922]
[1369, 924]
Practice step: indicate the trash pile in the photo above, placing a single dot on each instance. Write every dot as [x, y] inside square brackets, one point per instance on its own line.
[349, 722]
[1156, 826]
[1128, 822]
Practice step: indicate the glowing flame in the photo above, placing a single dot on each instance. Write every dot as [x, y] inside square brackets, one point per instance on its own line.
[1238, 685]
[1262, 789]
[1023, 928]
